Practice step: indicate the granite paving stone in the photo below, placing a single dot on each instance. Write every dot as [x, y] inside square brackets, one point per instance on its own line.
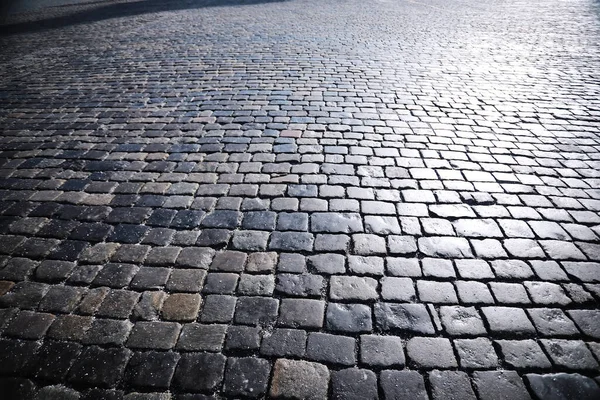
[500, 384]
[563, 386]
[299, 379]
[450, 385]
[402, 384]
[354, 383]
[381, 351]
[299, 199]
[246, 376]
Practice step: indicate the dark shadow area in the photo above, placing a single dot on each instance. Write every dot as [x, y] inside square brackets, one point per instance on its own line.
[115, 10]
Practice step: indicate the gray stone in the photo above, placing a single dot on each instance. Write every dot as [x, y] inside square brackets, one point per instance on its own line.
[300, 285]
[301, 313]
[354, 384]
[367, 244]
[299, 380]
[361, 265]
[336, 222]
[460, 321]
[381, 351]
[349, 317]
[246, 376]
[284, 342]
[523, 354]
[332, 349]
[476, 353]
[403, 385]
[445, 247]
[397, 289]
[57, 392]
[382, 225]
[291, 241]
[500, 385]
[352, 288]
[588, 321]
[508, 320]
[200, 337]
[571, 354]
[327, 263]
[431, 352]
[552, 322]
[563, 386]
[450, 385]
[412, 318]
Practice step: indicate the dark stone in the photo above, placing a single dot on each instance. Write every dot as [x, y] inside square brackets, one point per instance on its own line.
[242, 338]
[229, 261]
[54, 271]
[349, 317]
[54, 360]
[150, 278]
[17, 388]
[300, 285]
[403, 317]
[500, 385]
[24, 295]
[198, 372]
[69, 250]
[15, 356]
[284, 342]
[187, 219]
[301, 313]
[62, 299]
[354, 384]
[256, 310]
[220, 283]
[118, 304]
[331, 348]
[221, 219]
[151, 369]
[154, 335]
[199, 337]
[107, 331]
[403, 385]
[563, 386]
[99, 367]
[259, 220]
[247, 377]
[29, 325]
[214, 238]
[291, 241]
[126, 233]
[218, 308]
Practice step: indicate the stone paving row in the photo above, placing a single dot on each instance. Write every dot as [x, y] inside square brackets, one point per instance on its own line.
[302, 199]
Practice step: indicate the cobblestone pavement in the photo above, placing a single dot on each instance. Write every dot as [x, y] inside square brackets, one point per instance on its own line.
[302, 199]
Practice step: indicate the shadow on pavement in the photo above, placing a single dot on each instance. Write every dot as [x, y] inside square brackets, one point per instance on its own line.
[115, 10]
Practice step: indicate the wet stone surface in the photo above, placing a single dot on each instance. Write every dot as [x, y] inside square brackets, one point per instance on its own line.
[300, 199]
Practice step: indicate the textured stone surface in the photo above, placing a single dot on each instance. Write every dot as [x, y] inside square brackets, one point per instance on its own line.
[500, 384]
[354, 383]
[402, 384]
[194, 193]
[299, 379]
[563, 386]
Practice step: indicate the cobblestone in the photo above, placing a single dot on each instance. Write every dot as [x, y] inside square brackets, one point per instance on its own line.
[298, 199]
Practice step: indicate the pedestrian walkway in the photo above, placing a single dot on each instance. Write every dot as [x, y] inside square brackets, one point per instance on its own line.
[311, 199]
